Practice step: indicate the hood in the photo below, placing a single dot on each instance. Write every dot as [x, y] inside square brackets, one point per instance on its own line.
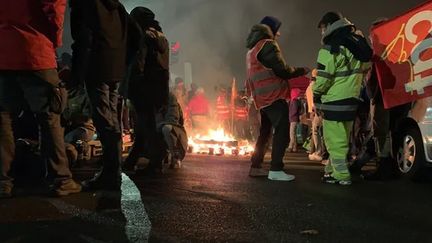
[295, 93]
[111, 4]
[258, 32]
[145, 18]
[340, 24]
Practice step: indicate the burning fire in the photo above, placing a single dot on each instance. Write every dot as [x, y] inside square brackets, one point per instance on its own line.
[218, 142]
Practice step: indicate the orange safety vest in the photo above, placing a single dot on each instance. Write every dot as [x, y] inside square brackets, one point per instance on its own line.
[222, 109]
[262, 82]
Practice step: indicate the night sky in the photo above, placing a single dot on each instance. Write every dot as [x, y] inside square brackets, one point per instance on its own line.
[212, 33]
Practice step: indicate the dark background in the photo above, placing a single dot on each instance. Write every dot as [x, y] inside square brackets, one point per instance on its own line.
[212, 33]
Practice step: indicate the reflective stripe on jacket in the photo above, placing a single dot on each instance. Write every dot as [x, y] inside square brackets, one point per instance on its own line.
[262, 82]
[338, 84]
[222, 109]
[241, 113]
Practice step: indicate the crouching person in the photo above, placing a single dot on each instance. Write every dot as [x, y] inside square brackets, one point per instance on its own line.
[170, 124]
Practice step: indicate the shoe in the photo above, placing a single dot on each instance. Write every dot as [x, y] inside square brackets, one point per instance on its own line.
[6, 189]
[65, 187]
[103, 181]
[175, 164]
[315, 157]
[327, 175]
[258, 172]
[332, 180]
[280, 176]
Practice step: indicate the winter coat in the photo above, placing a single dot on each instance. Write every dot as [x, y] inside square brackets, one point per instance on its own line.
[270, 55]
[199, 105]
[29, 33]
[340, 73]
[100, 33]
[149, 73]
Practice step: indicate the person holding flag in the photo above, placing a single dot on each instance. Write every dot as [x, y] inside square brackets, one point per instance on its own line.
[343, 63]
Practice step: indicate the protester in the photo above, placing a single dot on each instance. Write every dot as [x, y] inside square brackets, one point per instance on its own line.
[198, 110]
[30, 79]
[241, 122]
[148, 91]
[267, 74]
[100, 34]
[223, 111]
[180, 92]
[191, 93]
[317, 147]
[170, 123]
[294, 118]
[343, 63]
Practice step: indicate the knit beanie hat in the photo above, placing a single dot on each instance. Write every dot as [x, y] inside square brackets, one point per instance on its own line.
[272, 22]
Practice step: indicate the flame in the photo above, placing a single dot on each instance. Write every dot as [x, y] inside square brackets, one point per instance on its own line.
[218, 142]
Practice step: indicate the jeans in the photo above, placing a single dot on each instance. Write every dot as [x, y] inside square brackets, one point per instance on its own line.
[275, 116]
[104, 99]
[293, 136]
[32, 89]
[316, 135]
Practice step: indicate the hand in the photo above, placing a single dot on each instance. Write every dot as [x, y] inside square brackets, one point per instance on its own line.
[152, 33]
[314, 73]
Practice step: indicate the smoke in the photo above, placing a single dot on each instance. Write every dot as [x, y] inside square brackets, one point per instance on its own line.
[212, 34]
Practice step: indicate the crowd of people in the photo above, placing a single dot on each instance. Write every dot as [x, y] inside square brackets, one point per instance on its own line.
[342, 107]
[117, 81]
[61, 103]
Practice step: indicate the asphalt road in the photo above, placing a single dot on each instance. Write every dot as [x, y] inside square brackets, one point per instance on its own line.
[212, 199]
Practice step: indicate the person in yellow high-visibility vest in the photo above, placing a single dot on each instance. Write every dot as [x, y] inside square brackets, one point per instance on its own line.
[343, 63]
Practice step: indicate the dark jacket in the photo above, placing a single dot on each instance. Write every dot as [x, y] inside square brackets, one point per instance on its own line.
[29, 33]
[99, 30]
[270, 55]
[149, 73]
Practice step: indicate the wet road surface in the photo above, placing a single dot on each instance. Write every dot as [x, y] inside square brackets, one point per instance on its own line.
[212, 199]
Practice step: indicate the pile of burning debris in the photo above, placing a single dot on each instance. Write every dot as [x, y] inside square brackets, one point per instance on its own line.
[217, 142]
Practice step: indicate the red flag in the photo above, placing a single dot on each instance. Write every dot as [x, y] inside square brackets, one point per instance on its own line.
[403, 56]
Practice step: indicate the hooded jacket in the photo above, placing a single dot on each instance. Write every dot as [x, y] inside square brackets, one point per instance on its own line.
[270, 55]
[340, 72]
[29, 33]
[149, 72]
[100, 33]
